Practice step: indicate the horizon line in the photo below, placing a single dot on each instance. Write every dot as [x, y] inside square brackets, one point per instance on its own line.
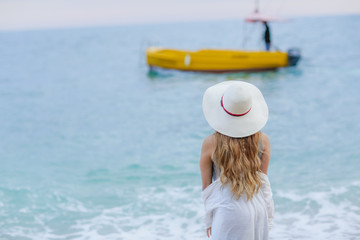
[157, 22]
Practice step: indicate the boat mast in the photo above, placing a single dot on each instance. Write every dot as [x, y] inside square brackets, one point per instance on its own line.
[245, 38]
[256, 6]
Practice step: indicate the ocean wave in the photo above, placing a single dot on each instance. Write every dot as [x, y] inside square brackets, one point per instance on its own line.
[332, 213]
[177, 213]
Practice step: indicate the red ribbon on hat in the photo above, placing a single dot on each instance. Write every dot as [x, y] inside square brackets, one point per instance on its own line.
[232, 114]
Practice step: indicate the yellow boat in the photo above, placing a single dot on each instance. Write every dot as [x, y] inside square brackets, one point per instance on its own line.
[218, 61]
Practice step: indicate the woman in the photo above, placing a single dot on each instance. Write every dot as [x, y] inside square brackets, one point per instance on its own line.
[234, 163]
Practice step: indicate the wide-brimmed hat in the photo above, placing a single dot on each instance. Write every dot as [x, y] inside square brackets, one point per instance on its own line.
[235, 108]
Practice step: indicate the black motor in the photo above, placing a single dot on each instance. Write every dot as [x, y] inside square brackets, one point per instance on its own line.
[294, 56]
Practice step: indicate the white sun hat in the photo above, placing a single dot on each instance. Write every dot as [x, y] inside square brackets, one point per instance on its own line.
[235, 108]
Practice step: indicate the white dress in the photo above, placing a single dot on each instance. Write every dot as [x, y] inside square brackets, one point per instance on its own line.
[232, 219]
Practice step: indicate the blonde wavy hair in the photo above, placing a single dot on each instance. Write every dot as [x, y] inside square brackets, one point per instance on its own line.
[238, 161]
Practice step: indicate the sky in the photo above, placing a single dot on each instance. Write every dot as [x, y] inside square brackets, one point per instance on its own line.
[40, 14]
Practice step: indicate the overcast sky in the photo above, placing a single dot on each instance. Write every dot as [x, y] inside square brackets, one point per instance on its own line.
[34, 14]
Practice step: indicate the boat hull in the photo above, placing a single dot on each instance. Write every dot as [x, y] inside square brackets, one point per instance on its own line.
[217, 61]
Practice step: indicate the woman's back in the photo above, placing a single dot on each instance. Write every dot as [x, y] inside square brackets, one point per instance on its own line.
[263, 153]
[216, 169]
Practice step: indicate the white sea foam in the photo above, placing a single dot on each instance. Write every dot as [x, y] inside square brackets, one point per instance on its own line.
[324, 215]
[172, 213]
[177, 213]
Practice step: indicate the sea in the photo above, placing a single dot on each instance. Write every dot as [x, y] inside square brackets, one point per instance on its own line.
[93, 145]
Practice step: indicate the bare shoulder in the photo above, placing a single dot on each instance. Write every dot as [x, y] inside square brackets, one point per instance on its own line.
[208, 145]
[265, 140]
[265, 157]
[205, 160]
[209, 141]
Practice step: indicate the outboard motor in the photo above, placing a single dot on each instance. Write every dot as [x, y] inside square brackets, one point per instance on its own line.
[294, 56]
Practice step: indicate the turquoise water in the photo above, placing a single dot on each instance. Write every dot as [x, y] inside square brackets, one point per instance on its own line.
[93, 146]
